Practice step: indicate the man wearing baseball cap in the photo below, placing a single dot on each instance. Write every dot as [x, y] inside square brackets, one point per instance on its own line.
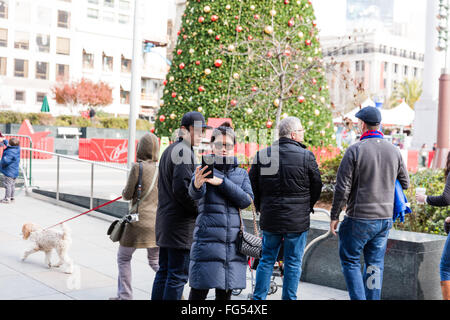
[366, 186]
[176, 213]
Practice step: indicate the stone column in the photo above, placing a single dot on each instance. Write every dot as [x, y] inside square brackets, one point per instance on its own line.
[427, 107]
[443, 129]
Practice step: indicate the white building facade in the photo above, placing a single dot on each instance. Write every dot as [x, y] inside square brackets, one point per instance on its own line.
[377, 60]
[46, 42]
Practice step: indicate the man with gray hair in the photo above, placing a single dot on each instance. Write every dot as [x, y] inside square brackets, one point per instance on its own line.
[285, 198]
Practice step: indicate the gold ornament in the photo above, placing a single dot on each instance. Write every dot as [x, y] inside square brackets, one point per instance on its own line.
[216, 100]
[207, 71]
[252, 7]
[200, 109]
[171, 79]
[276, 102]
[273, 12]
[300, 34]
[228, 7]
[207, 9]
[191, 51]
[285, 115]
[268, 29]
[231, 47]
[249, 111]
[210, 31]
[173, 116]
[236, 76]
[317, 112]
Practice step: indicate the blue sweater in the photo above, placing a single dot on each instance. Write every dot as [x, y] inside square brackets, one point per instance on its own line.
[9, 165]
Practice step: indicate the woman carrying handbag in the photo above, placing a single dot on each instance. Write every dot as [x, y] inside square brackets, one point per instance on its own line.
[139, 232]
[215, 260]
[442, 201]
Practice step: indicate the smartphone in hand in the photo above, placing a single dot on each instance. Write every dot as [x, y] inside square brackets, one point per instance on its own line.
[208, 161]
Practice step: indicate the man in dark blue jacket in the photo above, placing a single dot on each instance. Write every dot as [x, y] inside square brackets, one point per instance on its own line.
[286, 183]
[176, 213]
[9, 166]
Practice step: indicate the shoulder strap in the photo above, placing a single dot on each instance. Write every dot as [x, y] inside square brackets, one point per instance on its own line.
[139, 186]
[155, 175]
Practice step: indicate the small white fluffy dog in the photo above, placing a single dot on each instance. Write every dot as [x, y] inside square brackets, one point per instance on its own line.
[47, 240]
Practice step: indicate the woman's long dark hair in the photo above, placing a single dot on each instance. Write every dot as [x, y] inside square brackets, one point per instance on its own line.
[447, 167]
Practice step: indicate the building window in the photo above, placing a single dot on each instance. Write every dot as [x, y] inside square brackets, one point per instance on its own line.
[63, 46]
[43, 16]
[415, 72]
[40, 97]
[124, 96]
[88, 60]
[107, 63]
[4, 9]
[92, 13]
[108, 16]
[363, 65]
[3, 37]
[357, 66]
[126, 65]
[43, 42]
[124, 5]
[124, 18]
[395, 68]
[22, 12]
[2, 66]
[108, 3]
[42, 70]
[93, 1]
[22, 40]
[20, 68]
[63, 19]
[405, 70]
[19, 96]
[386, 66]
[62, 72]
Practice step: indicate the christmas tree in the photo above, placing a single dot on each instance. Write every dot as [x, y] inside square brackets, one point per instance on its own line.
[255, 61]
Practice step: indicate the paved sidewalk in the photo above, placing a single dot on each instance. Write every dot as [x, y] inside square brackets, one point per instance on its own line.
[95, 276]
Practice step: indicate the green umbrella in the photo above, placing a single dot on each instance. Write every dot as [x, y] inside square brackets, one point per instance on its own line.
[45, 107]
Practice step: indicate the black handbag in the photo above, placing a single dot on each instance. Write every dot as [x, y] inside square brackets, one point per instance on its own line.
[249, 244]
[116, 229]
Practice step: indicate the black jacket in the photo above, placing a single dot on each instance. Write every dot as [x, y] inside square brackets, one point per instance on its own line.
[286, 187]
[175, 217]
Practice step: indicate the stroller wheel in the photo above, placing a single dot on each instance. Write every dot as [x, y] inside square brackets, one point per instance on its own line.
[236, 292]
[273, 287]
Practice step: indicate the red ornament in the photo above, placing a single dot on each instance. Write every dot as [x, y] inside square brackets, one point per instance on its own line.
[152, 130]
[174, 94]
[308, 42]
[250, 38]
[301, 99]
[287, 52]
[181, 66]
[236, 17]
[286, 1]
[314, 81]
[233, 102]
[165, 82]
[214, 18]
[269, 54]
[239, 29]
[256, 16]
[184, 37]
[201, 88]
[179, 32]
[218, 37]
[197, 62]
[254, 88]
[179, 51]
[218, 63]
[291, 22]
[162, 118]
[269, 124]
[201, 19]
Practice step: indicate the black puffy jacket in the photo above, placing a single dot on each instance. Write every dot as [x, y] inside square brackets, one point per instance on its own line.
[175, 217]
[286, 187]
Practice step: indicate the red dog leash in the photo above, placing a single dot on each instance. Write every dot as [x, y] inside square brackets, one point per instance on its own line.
[101, 206]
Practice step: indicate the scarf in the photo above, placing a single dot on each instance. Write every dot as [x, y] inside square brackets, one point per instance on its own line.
[372, 134]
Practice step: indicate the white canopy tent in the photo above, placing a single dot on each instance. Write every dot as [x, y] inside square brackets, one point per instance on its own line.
[402, 115]
[350, 115]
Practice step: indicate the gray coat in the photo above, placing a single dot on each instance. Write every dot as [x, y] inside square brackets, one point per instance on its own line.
[366, 180]
[215, 262]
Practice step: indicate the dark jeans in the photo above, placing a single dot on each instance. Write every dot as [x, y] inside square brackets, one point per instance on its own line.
[367, 237]
[445, 261]
[200, 294]
[172, 274]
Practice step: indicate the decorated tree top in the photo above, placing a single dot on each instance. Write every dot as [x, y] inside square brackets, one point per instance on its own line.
[255, 61]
